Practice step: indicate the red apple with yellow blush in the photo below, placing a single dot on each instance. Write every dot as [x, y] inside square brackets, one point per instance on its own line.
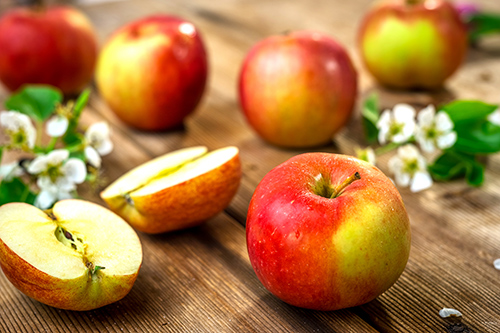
[298, 89]
[152, 72]
[327, 231]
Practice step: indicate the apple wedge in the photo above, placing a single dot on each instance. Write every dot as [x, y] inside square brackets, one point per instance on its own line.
[77, 256]
[178, 190]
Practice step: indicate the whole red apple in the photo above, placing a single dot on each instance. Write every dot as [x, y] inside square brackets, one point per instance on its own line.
[298, 89]
[152, 72]
[412, 43]
[54, 45]
[327, 232]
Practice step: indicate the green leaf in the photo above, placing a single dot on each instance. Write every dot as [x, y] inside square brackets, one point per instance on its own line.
[462, 111]
[451, 165]
[36, 101]
[15, 191]
[480, 137]
[483, 24]
[72, 137]
[370, 115]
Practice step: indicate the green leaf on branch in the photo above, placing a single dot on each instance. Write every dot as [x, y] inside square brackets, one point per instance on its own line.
[15, 191]
[371, 116]
[464, 111]
[452, 165]
[36, 101]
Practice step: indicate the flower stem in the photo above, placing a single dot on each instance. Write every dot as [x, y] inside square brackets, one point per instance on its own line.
[387, 148]
[39, 133]
[51, 144]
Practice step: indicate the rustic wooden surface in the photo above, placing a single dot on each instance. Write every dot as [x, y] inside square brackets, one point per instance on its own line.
[200, 280]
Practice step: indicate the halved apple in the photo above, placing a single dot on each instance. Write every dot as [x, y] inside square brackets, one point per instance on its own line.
[78, 256]
[178, 190]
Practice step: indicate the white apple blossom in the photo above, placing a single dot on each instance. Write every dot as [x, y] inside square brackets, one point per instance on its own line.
[410, 168]
[397, 125]
[434, 130]
[57, 176]
[56, 126]
[20, 129]
[494, 117]
[98, 143]
[11, 170]
[367, 154]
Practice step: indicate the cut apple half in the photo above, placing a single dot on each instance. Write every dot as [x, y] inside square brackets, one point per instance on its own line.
[178, 190]
[78, 256]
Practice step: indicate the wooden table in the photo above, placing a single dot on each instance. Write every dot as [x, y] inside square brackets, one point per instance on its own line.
[201, 280]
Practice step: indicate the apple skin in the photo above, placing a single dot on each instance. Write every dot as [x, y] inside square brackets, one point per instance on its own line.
[54, 45]
[182, 206]
[152, 72]
[412, 45]
[297, 90]
[326, 254]
[77, 294]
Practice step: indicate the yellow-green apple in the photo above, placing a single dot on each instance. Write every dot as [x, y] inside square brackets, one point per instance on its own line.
[152, 72]
[298, 89]
[78, 256]
[327, 231]
[178, 190]
[412, 43]
[54, 45]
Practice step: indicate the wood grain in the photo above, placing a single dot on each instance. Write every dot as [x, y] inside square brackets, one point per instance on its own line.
[200, 280]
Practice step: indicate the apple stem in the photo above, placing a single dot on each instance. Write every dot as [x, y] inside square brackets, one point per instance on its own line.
[339, 189]
[413, 2]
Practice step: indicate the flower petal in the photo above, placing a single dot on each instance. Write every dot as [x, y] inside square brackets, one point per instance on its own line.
[92, 157]
[45, 199]
[384, 120]
[10, 170]
[443, 122]
[38, 165]
[56, 126]
[426, 145]
[402, 179]
[105, 147]
[447, 140]
[57, 156]
[494, 117]
[404, 113]
[421, 180]
[426, 116]
[75, 170]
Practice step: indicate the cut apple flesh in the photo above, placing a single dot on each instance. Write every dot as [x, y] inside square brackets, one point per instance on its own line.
[193, 189]
[154, 169]
[102, 239]
[189, 170]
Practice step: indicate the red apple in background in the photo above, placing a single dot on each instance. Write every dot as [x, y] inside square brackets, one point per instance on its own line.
[152, 72]
[327, 231]
[297, 90]
[54, 45]
[412, 43]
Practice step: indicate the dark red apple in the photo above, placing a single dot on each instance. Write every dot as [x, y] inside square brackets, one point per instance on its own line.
[54, 45]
